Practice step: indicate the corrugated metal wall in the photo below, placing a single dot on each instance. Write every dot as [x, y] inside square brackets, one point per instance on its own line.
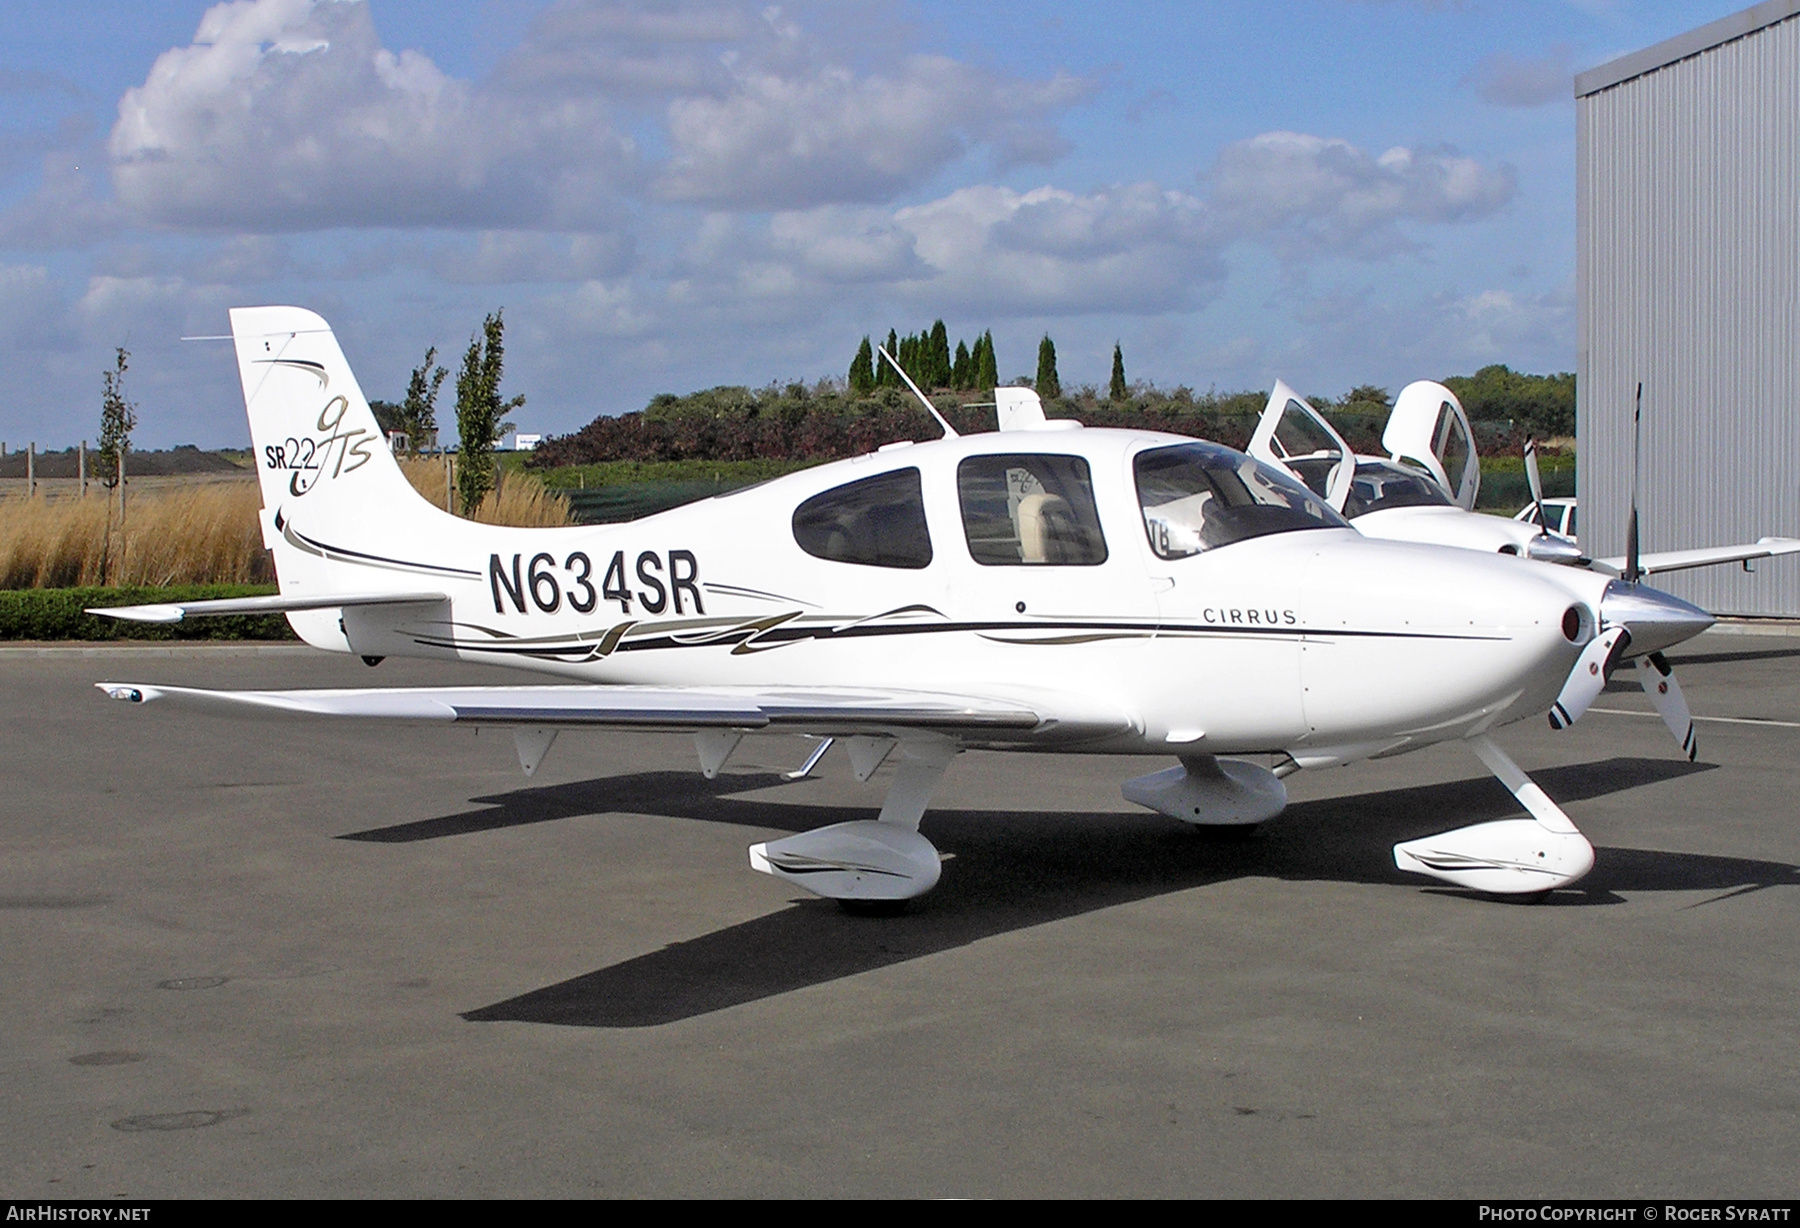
[1688, 232]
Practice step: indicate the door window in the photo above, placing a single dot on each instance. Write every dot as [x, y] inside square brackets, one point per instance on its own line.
[1030, 510]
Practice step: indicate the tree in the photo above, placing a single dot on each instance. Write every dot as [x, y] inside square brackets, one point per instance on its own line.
[1544, 404]
[480, 413]
[418, 413]
[987, 369]
[118, 418]
[1117, 391]
[937, 364]
[862, 370]
[1367, 394]
[884, 374]
[1048, 386]
[962, 371]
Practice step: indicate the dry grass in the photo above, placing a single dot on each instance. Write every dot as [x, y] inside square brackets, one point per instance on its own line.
[206, 534]
[197, 534]
[520, 499]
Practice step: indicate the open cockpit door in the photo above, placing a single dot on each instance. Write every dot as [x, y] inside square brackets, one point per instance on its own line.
[1295, 438]
[1429, 428]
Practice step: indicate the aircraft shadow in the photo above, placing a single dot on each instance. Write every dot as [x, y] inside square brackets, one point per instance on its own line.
[1014, 871]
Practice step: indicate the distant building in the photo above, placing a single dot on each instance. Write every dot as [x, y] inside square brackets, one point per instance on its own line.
[1688, 279]
[526, 443]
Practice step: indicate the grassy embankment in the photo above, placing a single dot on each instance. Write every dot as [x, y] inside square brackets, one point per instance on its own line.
[58, 556]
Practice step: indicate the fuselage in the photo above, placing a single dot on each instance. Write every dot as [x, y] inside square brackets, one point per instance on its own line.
[992, 579]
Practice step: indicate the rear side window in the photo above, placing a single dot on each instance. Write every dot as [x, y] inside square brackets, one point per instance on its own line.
[1028, 510]
[877, 522]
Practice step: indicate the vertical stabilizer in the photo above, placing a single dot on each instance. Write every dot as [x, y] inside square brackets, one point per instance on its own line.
[338, 514]
[316, 440]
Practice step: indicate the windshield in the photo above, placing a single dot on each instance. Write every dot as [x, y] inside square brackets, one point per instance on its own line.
[1379, 485]
[1200, 496]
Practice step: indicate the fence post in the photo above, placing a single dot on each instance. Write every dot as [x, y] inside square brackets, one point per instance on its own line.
[81, 466]
[30, 469]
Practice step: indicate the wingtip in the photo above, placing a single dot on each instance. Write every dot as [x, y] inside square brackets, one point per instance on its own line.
[139, 613]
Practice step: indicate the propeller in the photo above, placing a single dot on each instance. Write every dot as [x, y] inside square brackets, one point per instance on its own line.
[1537, 483]
[1588, 678]
[1633, 572]
[1658, 679]
[1662, 620]
[1546, 547]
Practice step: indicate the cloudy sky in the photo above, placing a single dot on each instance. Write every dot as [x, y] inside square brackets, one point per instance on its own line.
[665, 196]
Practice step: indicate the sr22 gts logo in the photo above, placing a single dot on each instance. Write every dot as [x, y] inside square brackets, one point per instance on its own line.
[339, 451]
[540, 581]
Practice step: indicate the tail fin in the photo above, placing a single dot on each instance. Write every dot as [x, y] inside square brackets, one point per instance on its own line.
[316, 440]
[328, 477]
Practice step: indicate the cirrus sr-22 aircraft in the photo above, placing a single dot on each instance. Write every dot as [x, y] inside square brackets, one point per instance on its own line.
[1043, 588]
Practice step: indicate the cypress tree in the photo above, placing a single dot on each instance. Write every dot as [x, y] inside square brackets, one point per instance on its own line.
[862, 369]
[884, 376]
[962, 374]
[1117, 391]
[940, 356]
[987, 368]
[1048, 386]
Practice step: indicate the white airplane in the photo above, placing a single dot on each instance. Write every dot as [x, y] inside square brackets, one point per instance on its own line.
[1425, 491]
[1044, 588]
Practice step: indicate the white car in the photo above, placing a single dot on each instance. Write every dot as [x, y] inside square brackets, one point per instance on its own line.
[1558, 513]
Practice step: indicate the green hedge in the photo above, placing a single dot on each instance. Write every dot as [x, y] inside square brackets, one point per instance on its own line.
[56, 614]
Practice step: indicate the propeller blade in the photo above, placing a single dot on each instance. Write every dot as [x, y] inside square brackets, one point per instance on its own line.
[1586, 680]
[1658, 679]
[1537, 483]
[1633, 572]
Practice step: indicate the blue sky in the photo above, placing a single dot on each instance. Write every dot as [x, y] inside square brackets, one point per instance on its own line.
[667, 196]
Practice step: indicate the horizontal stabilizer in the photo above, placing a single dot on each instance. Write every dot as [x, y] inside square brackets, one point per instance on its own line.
[1709, 556]
[827, 710]
[175, 611]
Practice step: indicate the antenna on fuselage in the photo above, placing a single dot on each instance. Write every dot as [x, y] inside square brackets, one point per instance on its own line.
[949, 431]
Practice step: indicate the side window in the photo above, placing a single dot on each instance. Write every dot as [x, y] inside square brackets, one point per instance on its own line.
[1023, 510]
[877, 522]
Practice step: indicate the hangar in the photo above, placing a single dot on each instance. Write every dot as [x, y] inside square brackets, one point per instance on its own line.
[1688, 279]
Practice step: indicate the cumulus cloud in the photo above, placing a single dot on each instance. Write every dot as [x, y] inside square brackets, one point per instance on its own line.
[1133, 247]
[1309, 195]
[778, 141]
[503, 256]
[1515, 81]
[290, 115]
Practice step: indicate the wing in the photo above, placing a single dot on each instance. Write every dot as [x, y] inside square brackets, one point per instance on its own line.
[826, 711]
[1681, 560]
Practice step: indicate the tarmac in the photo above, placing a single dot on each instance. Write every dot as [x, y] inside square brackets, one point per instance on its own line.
[295, 959]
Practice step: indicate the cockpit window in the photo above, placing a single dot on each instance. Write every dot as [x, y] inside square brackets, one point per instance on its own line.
[1199, 496]
[1379, 485]
[877, 522]
[1030, 510]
